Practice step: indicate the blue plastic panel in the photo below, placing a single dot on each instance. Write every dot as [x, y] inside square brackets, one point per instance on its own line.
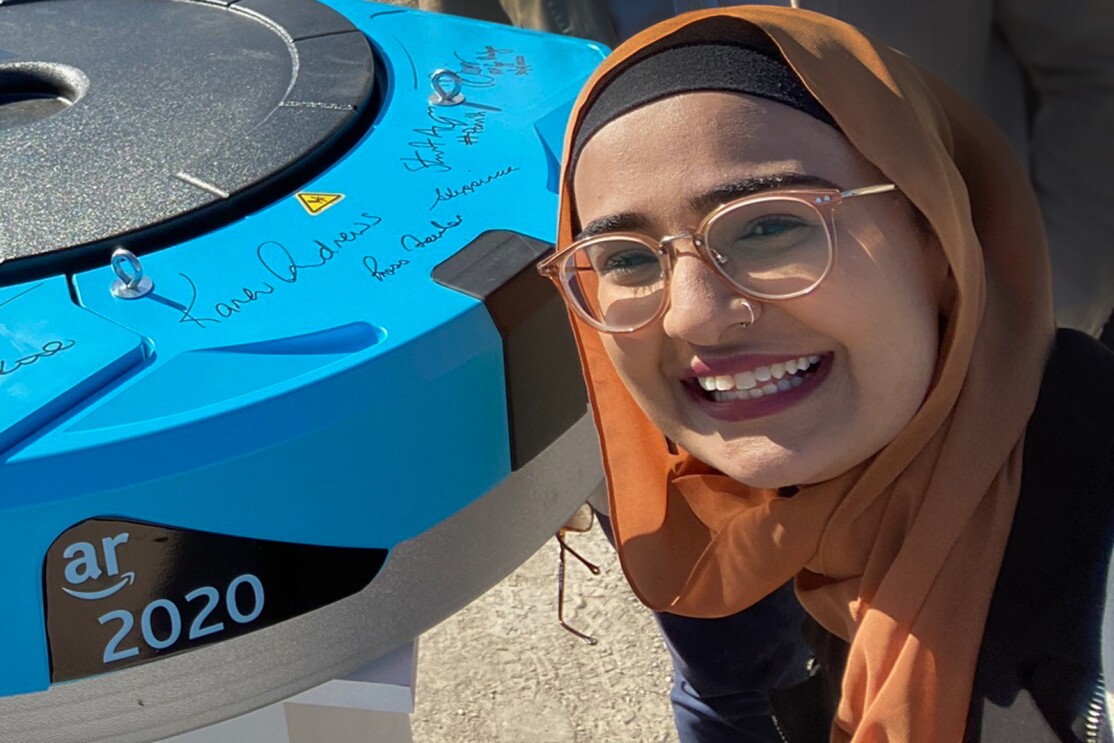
[53, 355]
[308, 382]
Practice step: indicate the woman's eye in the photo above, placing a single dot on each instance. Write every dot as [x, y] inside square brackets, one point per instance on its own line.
[627, 266]
[630, 260]
[770, 227]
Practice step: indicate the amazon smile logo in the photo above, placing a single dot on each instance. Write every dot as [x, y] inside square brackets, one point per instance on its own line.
[126, 579]
[84, 565]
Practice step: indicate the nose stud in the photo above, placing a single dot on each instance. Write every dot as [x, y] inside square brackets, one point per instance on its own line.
[750, 309]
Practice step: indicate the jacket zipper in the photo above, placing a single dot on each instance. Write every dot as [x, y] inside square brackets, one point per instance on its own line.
[1096, 712]
[781, 734]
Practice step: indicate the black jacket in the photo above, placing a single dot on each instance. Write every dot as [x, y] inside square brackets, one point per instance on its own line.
[1039, 673]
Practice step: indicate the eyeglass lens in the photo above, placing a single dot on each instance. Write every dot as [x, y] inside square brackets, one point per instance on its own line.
[772, 248]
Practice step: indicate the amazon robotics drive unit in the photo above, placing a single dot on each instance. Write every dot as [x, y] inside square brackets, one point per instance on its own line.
[279, 386]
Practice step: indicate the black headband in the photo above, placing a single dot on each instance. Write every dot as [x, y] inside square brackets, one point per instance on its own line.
[691, 67]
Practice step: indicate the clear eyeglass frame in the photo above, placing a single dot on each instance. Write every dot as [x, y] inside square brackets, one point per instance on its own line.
[559, 268]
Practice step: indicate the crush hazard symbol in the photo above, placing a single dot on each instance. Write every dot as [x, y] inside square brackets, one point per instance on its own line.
[315, 203]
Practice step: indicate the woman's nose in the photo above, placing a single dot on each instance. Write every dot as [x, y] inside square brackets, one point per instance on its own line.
[702, 307]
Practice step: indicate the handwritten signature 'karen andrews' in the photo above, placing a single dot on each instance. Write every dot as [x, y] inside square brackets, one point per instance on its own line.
[281, 263]
[226, 309]
[46, 350]
[450, 192]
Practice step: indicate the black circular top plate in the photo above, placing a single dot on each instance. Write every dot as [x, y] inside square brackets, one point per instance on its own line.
[137, 122]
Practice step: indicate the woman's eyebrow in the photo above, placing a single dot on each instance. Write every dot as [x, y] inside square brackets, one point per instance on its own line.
[709, 200]
[705, 202]
[623, 222]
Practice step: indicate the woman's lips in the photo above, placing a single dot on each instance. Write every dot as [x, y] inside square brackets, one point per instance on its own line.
[760, 390]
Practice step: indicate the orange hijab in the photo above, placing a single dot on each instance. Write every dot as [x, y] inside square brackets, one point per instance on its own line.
[898, 556]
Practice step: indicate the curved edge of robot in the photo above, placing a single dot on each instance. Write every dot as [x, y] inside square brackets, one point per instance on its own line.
[425, 580]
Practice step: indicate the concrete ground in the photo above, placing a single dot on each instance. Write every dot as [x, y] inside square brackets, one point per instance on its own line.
[504, 671]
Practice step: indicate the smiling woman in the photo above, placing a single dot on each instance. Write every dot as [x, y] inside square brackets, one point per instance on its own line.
[810, 290]
[867, 380]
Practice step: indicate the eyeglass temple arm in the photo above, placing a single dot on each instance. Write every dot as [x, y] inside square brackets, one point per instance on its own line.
[868, 190]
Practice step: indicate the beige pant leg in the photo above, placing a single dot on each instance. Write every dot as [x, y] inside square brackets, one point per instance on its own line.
[484, 10]
[585, 19]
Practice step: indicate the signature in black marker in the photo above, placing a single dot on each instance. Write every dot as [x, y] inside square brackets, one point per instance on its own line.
[440, 121]
[471, 133]
[490, 61]
[521, 69]
[226, 309]
[413, 242]
[278, 261]
[48, 349]
[491, 53]
[371, 263]
[449, 193]
[236, 305]
[429, 153]
[472, 74]
[187, 311]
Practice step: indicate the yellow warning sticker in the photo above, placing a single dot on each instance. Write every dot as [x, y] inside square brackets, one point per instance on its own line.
[315, 203]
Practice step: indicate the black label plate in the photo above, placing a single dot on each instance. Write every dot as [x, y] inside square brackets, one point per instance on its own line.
[121, 593]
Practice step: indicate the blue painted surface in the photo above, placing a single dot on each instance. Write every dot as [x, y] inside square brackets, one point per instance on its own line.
[44, 369]
[293, 377]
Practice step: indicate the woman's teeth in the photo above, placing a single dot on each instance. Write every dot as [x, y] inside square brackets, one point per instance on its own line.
[755, 383]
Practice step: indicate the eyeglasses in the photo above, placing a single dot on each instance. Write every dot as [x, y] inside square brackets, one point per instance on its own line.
[771, 246]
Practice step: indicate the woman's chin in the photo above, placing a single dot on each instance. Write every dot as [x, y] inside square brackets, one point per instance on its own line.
[759, 462]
